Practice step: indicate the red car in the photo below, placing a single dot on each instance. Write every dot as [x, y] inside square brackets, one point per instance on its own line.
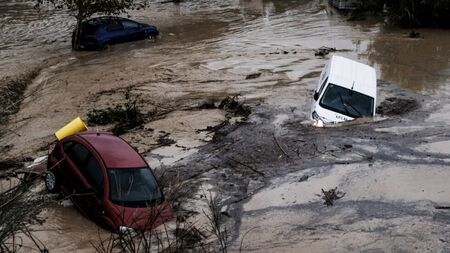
[108, 181]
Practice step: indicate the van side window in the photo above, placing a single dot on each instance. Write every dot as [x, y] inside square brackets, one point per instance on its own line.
[324, 72]
[323, 85]
[94, 175]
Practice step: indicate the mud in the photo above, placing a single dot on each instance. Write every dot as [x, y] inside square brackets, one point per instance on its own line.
[397, 106]
[269, 166]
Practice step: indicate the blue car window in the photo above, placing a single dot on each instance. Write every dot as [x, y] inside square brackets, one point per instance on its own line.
[129, 24]
[113, 25]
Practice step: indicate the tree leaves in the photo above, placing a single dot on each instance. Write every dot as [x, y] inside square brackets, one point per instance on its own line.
[83, 9]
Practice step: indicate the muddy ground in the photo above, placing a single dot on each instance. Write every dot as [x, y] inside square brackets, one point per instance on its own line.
[269, 168]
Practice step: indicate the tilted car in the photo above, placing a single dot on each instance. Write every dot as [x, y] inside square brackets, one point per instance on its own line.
[108, 181]
[100, 32]
[346, 90]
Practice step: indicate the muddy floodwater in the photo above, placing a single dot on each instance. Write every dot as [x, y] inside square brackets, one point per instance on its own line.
[269, 169]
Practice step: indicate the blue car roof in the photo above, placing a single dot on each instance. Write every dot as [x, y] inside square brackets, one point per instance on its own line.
[103, 20]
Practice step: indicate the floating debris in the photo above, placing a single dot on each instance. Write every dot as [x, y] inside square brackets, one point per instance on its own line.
[331, 195]
[413, 34]
[322, 51]
[397, 106]
[252, 76]
[124, 117]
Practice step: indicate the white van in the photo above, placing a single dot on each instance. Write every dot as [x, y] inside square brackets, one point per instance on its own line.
[347, 90]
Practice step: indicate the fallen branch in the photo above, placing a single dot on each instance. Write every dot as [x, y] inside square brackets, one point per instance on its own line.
[247, 166]
[280, 147]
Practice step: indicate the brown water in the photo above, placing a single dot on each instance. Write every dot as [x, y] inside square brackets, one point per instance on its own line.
[205, 51]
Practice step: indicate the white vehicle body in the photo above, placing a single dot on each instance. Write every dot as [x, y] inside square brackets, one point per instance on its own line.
[347, 90]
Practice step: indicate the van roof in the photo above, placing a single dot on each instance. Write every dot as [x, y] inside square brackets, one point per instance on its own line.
[353, 75]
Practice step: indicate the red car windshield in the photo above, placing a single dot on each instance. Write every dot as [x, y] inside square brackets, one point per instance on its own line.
[133, 187]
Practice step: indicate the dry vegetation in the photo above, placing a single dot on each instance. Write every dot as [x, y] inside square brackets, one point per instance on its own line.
[180, 235]
[19, 207]
[11, 95]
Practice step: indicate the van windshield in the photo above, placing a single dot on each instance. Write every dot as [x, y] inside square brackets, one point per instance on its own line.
[133, 187]
[347, 102]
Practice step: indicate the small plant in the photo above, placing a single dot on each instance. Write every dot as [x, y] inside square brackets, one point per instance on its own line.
[181, 235]
[18, 209]
[216, 227]
[124, 116]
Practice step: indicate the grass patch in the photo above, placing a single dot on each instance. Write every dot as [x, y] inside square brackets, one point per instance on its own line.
[11, 95]
[12, 90]
[19, 208]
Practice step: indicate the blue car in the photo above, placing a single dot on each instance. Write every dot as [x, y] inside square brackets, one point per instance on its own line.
[100, 32]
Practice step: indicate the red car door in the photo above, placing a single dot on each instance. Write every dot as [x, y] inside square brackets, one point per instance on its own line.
[75, 155]
[75, 179]
[95, 177]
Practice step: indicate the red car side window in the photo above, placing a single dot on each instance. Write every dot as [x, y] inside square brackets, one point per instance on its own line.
[67, 145]
[95, 175]
[78, 154]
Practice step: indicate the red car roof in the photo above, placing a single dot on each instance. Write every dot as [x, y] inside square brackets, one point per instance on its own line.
[115, 152]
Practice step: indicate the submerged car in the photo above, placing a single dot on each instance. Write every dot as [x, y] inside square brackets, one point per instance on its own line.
[108, 181]
[100, 32]
[347, 90]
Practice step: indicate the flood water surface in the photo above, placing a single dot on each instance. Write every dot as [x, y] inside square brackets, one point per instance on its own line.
[208, 51]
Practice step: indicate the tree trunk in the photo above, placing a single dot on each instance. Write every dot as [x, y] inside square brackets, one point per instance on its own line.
[76, 36]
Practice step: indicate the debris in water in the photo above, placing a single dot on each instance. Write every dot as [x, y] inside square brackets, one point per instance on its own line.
[125, 117]
[331, 195]
[164, 140]
[397, 106]
[442, 207]
[14, 163]
[10, 164]
[413, 34]
[279, 146]
[189, 237]
[232, 104]
[208, 104]
[322, 51]
[304, 178]
[252, 76]
[65, 203]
